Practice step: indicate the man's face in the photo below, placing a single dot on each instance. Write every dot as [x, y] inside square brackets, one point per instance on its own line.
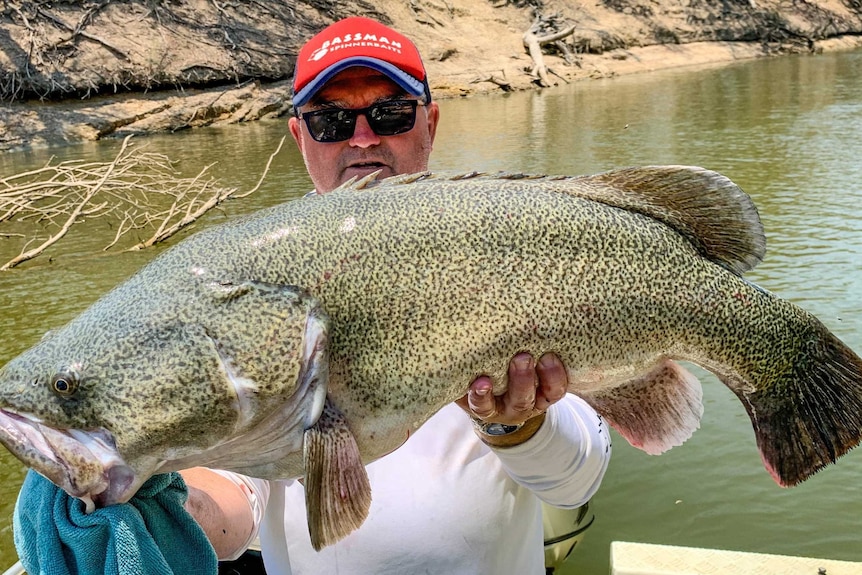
[331, 164]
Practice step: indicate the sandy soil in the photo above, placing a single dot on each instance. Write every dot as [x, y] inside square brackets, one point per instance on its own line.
[90, 70]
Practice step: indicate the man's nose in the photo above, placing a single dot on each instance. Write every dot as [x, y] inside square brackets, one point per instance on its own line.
[363, 135]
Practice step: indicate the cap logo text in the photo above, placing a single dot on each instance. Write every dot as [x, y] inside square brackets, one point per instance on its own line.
[353, 40]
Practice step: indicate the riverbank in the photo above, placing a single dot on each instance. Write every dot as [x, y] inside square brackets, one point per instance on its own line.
[136, 69]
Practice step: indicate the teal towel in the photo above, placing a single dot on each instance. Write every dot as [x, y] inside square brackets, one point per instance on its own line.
[153, 534]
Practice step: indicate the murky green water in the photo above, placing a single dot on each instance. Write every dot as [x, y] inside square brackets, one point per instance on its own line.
[787, 130]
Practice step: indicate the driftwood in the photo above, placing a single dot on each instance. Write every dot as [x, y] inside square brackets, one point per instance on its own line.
[500, 81]
[536, 37]
[137, 190]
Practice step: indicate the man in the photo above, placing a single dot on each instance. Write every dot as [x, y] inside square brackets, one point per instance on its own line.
[462, 494]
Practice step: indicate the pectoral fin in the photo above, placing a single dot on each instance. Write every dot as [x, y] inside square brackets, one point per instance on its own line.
[337, 490]
[658, 410]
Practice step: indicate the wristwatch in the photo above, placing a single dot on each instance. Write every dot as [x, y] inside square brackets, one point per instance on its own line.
[495, 428]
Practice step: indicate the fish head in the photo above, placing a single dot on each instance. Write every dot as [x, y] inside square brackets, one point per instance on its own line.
[73, 406]
[97, 407]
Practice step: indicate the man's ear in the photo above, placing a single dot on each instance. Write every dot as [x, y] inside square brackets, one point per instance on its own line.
[433, 115]
[293, 124]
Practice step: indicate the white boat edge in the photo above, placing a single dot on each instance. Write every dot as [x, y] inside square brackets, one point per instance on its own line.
[649, 559]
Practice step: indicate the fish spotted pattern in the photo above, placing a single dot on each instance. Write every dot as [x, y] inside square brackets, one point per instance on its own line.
[315, 336]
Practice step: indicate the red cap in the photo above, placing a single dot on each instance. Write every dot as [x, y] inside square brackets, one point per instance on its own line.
[358, 41]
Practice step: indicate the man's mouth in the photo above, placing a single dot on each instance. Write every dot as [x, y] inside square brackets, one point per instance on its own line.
[366, 166]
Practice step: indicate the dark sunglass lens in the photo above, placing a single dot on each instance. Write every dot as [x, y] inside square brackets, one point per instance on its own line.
[386, 119]
[331, 125]
[390, 118]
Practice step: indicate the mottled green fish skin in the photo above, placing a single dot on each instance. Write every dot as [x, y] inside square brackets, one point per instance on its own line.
[428, 282]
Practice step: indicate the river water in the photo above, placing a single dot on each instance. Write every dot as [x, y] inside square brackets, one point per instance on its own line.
[785, 129]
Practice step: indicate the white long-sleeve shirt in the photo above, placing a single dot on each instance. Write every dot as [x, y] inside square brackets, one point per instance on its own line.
[445, 502]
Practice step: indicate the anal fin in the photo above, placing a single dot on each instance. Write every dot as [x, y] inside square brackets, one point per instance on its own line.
[337, 490]
[655, 411]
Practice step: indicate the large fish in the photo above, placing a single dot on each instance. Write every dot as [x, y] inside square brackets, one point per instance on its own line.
[317, 335]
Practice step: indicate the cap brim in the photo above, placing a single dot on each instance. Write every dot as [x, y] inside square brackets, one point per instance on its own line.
[410, 84]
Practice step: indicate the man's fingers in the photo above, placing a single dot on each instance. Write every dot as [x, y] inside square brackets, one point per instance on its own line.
[480, 398]
[532, 387]
[521, 393]
[553, 381]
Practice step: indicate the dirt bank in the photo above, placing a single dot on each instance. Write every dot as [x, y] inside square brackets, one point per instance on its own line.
[88, 69]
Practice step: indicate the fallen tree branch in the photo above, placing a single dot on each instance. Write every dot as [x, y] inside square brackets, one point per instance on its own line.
[265, 170]
[504, 84]
[137, 190]
[73, 216]
[169, 226]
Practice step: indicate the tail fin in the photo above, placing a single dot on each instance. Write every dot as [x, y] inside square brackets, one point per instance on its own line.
[814, 416]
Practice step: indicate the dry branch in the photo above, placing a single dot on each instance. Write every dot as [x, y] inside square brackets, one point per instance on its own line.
[502, 82]
[265, 171]
[137, 190]
[534, 39]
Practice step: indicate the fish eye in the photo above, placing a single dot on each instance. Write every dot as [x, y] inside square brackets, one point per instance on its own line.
[64, 384]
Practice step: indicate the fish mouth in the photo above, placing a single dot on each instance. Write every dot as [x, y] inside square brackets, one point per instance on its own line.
[84, 463]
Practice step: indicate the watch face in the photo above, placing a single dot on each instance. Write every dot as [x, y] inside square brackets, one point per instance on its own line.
[495, 428]
[500, 429]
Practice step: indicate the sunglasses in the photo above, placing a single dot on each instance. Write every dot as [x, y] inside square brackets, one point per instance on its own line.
[337, 124]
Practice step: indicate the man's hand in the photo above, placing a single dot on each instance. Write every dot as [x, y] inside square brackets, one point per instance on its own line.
[532, 389]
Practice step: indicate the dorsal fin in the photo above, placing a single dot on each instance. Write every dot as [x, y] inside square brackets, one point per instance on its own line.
[705, 207]
[712, 212]
[370, 181]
